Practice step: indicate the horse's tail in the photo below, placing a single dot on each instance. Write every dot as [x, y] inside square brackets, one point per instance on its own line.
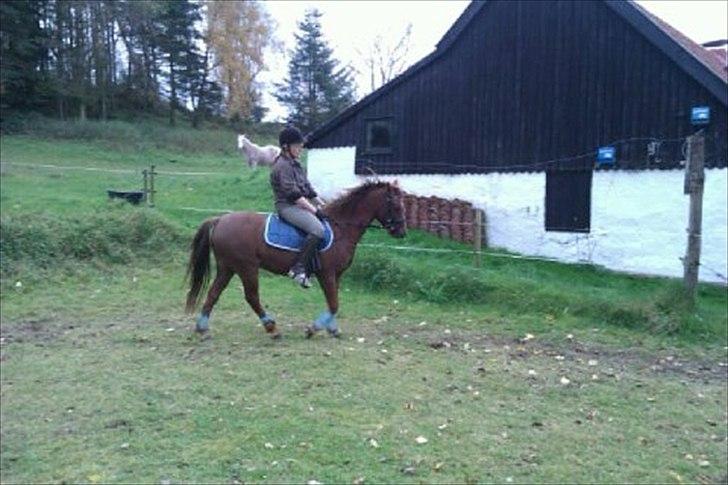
[198, 268]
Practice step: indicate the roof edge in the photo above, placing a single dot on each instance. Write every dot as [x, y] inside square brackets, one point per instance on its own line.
[440, 48]
[628, 10]
[691, 64]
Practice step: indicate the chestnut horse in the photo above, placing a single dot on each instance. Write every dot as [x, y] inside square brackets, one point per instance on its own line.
[237, 241]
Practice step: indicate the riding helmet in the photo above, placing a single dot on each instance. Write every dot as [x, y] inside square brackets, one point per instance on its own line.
[290, 136]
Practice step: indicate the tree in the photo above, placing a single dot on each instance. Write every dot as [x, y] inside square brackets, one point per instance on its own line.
[317, 87]
[177, 41]
[238, 34]
[383, 62]
[23, 50]
[139, 27]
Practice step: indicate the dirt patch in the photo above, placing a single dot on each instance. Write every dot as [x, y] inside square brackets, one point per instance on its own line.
[664, 361]
[40, 331]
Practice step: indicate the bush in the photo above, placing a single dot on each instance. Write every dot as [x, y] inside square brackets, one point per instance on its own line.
[464, 285]
[33, 241]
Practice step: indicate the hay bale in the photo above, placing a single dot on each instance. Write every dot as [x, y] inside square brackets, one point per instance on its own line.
[443, 215]
[456, 219]
[432, 214]
[469, 221]
[422, 213]
[411, 205]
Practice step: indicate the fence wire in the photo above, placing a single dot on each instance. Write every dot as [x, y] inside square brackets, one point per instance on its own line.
[656, 145]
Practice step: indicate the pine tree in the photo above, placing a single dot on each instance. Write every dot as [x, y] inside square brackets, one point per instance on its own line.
[177, 42]
[317, 87]
[23, 50]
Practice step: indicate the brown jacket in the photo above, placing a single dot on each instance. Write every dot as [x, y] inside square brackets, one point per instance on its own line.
[289, 181]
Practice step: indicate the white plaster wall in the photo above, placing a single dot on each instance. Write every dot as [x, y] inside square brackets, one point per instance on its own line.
[638, 219]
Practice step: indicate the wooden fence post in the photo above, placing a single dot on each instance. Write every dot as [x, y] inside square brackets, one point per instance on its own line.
[694, 182]
[152, 173]
[145, 175]
[477, 236]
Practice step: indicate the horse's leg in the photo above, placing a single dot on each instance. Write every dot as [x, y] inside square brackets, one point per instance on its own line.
[327, 319]
[222, 278]
[249, 277]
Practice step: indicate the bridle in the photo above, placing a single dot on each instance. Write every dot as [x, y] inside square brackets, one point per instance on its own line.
[390, 222]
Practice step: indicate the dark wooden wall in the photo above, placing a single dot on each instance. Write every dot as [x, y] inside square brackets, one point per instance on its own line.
[537, 80]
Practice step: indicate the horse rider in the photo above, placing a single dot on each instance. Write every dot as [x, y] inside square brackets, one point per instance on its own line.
[297, 202]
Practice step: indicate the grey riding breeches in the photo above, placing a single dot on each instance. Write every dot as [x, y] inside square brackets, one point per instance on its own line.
[302, 219]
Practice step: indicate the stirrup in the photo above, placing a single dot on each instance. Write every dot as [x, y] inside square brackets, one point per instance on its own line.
[300, 278]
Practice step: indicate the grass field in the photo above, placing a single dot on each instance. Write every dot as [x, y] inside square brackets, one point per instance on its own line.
[519, 371]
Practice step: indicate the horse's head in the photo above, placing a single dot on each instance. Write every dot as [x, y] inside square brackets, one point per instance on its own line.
[391, 212]
[241, 141]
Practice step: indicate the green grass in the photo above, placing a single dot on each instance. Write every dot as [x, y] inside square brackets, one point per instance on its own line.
[102, 380]
[143, 134]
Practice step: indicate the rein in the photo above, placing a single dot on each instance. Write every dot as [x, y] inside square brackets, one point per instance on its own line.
[389, 223]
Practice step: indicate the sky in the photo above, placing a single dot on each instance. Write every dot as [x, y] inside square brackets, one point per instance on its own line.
[350, 26]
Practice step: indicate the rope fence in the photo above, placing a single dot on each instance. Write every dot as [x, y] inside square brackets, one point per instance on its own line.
[115, 170]
[462, 221]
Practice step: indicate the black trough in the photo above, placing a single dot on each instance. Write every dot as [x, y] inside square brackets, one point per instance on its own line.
[133, 196]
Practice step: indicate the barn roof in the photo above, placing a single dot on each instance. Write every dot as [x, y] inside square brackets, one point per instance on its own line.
[704, 66]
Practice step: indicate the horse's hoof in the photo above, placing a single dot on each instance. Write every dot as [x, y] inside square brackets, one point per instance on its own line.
[203, 323]
[272, 330]
[335, 333]
[276, 336]
[310, 331]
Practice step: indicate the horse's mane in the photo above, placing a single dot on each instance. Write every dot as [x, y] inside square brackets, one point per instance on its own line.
[347, 202]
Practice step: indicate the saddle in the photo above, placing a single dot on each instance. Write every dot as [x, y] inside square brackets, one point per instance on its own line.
[282, 235]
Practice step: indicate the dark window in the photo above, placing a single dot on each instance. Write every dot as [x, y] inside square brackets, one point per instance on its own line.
[379, 136]
[568, 201]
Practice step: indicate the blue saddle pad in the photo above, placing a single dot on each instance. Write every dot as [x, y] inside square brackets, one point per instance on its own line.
[280, 234]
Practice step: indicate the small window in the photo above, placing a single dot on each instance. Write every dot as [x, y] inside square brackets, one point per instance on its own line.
[379, 136]
[568, 201]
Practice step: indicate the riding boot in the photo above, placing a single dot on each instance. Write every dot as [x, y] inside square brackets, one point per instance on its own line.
[303, 261]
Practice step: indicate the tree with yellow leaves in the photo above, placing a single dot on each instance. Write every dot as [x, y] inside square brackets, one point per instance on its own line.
[237, 34]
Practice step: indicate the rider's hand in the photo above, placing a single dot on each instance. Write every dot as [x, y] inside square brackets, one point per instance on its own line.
[320, 214]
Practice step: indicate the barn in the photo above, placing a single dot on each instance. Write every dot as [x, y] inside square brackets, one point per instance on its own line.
[509, 112]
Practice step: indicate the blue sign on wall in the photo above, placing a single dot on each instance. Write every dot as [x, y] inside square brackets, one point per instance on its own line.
[606, 156]
[700, 115]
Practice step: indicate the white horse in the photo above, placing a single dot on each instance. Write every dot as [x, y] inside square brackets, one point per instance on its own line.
[257, 155]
